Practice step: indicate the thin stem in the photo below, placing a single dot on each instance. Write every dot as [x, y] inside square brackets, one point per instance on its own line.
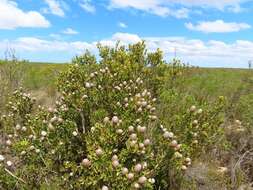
[9, 172]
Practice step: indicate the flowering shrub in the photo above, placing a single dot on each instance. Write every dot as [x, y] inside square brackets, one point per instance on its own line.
[11, 76]
[104, 131]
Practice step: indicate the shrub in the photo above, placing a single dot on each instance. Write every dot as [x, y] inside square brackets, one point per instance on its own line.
[11, 77]
[104, 131]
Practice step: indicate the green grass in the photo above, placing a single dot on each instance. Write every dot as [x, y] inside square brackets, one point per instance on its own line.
[202, 82]
[42, 75]
[214, 82]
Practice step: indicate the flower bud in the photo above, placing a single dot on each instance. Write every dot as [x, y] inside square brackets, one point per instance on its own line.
[9, 163]
[146, 142]
[18, 127]
[133, 143]
[86, 162]
[153, 117]
[167, 135]
[131, 129]
[142, 180]
[188, 160]
[105, 187]
[124, 171]
[114, 157]
[137, 168]
[193, 109]
[115, 163]
[178, 147]
[43, 133]
[99, 152]
[8, 142]
[199, 111]
[141, 145]
[60, 120]
[144, 104]
[151, 180]
[106, 120]
[74, 133]
[173, 143]
[195, 123]
[184, 167]
[115, 119]
[31, 147]
[119, 131]
[141, 129]
[137, 185]
[133, 136]
[2, 158]
[130, 176]
[87, 85]
[37, 150]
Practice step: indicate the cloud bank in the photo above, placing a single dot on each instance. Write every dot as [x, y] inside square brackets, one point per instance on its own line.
[197, 52]
[11, 17]
[218, 26]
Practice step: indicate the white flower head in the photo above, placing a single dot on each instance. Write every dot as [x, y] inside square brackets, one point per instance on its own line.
[74, 133]
[24, 129]
[43, 133]
[8, 142]
[18, 127]
[9, 163]
[1, 158]
[105, 187]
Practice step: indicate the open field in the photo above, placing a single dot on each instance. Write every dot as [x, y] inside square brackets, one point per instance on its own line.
[208, 82]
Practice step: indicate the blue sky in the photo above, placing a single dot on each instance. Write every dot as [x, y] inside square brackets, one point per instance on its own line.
[210, 33]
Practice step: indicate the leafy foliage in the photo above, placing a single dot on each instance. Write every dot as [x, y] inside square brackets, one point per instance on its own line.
[107, 130]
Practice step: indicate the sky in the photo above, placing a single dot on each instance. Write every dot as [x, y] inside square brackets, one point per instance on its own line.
[206, 33]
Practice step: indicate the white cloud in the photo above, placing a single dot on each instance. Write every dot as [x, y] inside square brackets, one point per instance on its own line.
[218, 26]
[33, 44]
[69, 31]
[126, 37]
[87, 6]
[123, 38]
[217, 4]
[197, 52]
[122, 25]
[12, 17]
[54, 7]
[167, 7]
[181, 13]
[151, 6]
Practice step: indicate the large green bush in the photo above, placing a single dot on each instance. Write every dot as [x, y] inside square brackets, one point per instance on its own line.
[104, 131]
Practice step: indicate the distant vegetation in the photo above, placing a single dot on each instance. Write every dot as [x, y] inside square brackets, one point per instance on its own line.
[128, 121]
